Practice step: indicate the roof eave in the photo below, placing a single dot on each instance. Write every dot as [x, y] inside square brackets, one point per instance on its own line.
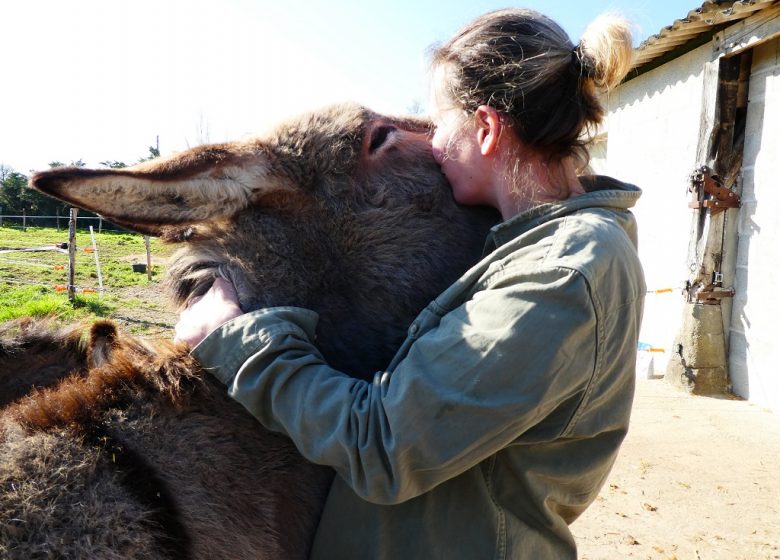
[705, 20]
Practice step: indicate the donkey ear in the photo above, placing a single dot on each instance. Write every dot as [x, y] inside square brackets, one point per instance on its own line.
[204, 183]
[102, 342]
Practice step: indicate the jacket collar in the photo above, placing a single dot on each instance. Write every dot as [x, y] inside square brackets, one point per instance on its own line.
[601, 191]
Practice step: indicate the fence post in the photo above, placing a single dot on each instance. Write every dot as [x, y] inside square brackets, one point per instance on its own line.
[1, 216]
[58, 219]
[97, 261]
[100, 224]
[24, 219]
[72, 253]
[148, 258]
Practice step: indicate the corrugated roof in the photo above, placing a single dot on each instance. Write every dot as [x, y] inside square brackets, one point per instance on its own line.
[711, 14]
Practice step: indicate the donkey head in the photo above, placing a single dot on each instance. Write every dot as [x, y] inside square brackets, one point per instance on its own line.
[343, 211]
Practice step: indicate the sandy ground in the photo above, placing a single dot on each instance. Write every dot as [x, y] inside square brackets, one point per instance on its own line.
[697, 478]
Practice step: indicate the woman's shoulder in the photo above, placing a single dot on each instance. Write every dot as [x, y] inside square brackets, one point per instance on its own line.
[595, 243]
[601, 244]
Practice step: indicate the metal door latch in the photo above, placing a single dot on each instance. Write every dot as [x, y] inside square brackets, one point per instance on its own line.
[709, 192]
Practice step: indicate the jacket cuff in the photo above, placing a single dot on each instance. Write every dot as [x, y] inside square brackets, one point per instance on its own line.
[227, 347]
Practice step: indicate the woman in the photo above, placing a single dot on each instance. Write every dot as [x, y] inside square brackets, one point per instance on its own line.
[499, 419]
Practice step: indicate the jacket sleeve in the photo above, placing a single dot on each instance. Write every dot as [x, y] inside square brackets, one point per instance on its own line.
[492, 369]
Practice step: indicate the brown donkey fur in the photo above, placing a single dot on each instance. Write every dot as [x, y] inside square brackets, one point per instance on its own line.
[36, 354]
[127, 450]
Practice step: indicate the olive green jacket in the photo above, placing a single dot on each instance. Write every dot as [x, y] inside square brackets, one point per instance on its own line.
[500, 417]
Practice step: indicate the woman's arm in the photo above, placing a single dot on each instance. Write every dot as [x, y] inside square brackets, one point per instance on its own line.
[493, 368]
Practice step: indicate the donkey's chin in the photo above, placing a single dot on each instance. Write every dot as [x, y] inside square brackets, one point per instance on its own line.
[186, 286]
[246, 292]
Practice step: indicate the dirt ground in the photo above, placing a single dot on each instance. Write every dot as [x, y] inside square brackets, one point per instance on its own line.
[154, 315]
[697, 478]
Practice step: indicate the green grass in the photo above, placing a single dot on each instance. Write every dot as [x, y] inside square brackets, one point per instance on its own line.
[39, 301]
[32, 283]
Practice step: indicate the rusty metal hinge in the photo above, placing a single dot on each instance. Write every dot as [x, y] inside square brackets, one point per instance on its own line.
[704, 183]
[711, 293]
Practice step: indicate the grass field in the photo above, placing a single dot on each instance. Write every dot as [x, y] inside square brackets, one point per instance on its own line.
[34, 283]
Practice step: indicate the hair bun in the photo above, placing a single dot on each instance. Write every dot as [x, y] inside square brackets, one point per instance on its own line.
[605, 51]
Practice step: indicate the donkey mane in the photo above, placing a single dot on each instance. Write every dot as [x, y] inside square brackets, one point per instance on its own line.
[46, 351]
[123, 370]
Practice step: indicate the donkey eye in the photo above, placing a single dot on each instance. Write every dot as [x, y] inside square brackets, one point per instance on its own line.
[379, 136]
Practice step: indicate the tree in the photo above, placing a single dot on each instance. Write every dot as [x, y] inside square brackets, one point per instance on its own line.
[16, 197]
[113, 164]
[11, 191]
[78, 163]
[154, 152]
[4, 171]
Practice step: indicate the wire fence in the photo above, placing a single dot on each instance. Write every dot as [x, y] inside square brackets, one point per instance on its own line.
[41, 261]
[50, 257]
[59, 221]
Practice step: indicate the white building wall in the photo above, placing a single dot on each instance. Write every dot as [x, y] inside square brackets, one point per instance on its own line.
[754, 360]
[653, 132]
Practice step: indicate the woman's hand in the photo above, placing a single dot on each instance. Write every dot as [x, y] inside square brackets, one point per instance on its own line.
[217, 306]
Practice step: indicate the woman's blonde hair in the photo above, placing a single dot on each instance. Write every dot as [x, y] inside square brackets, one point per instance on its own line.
[524, 65]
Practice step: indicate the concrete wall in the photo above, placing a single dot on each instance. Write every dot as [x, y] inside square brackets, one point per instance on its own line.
[653, 131]
[754, 346]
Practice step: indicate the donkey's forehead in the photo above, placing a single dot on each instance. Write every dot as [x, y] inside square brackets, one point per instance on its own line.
[338, 144]
[321, 129]
[345, 122]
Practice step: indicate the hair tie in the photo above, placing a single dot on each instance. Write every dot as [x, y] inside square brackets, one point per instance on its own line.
[581, 63]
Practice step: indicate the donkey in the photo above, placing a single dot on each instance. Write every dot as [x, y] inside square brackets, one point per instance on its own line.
[126, 449]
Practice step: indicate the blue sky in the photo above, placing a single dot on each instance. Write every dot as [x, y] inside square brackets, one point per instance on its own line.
[100, 79]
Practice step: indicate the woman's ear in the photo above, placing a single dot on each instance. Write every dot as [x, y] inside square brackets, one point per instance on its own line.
[489, 127]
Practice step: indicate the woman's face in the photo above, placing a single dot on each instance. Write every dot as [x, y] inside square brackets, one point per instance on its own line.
[456, 149]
